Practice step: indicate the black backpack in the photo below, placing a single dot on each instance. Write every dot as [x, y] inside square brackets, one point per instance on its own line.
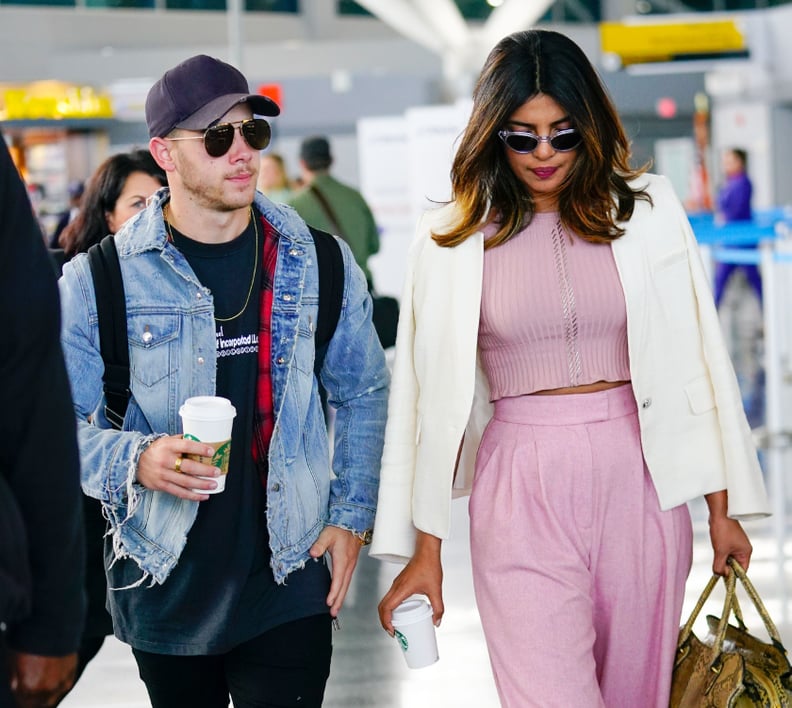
[111, 310]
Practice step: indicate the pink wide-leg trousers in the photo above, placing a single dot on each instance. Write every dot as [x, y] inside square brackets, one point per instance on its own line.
[579, 576]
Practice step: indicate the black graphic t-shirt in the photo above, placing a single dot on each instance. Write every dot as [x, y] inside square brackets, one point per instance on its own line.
[222, 591]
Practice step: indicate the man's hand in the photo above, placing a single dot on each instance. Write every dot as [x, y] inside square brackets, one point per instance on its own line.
[344, 549]
[39, 681]
[164, 467]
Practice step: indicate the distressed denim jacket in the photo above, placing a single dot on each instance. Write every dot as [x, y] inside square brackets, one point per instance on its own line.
[171, 331]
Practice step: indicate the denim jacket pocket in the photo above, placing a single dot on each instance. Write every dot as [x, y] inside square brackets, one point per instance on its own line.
[304, 352]
[153, 344]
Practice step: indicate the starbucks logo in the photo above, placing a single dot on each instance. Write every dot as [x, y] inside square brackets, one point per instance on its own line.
[222, 456]
[401, 639]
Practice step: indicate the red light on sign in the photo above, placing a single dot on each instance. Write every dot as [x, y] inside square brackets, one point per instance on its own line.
[666, 107]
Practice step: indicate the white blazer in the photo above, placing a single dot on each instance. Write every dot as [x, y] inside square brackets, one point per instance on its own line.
[694, 432]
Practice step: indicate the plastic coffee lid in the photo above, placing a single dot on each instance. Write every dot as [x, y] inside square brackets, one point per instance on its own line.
[411, 610]
[207, 408]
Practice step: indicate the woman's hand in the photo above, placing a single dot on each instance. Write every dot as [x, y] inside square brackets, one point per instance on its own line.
[729, 539]
[727, 535]
[423, 575]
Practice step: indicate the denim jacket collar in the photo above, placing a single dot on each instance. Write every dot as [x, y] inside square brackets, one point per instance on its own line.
[148, 230]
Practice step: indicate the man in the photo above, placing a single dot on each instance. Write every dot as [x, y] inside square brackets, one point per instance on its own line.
[42, 607]
[332, 206]
[227, 593]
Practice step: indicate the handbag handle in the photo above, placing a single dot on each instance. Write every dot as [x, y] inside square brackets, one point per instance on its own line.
[687, 629]
[772, 630]
[723, 622]
[730, 604]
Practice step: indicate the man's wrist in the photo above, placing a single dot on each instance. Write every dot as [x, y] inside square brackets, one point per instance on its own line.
[364, 537]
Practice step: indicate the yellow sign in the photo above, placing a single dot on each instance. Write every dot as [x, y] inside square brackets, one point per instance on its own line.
[53, 100]
[656, 42]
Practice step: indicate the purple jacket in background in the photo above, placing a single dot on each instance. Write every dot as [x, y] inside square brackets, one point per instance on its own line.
[734, 198]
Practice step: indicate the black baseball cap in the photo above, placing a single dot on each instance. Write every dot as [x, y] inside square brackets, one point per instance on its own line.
[198, 92]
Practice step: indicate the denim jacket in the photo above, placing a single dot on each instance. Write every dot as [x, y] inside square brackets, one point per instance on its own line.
[171, 331]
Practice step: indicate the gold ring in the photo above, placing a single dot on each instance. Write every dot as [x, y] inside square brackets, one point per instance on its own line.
[177, 464]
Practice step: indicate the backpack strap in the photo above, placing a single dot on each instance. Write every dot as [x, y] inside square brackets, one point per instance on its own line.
[330, 263]
[327, 209]
[111, 310]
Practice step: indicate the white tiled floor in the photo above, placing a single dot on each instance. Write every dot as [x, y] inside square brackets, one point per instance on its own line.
[368, 669]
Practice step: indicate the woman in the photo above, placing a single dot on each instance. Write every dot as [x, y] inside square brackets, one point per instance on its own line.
[273, 179]
[559, 300]
[116, 192]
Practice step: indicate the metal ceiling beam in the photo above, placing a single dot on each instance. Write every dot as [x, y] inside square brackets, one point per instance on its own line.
[512, 16]
[579, 10]
[445, 19]
[405, 19]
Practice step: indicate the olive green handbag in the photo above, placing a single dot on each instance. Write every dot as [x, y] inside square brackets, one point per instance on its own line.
[734, 669]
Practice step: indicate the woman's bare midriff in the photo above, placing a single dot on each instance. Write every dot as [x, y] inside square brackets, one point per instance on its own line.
[587, 388]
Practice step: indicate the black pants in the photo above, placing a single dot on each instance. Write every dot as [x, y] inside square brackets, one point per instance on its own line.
[285, 667]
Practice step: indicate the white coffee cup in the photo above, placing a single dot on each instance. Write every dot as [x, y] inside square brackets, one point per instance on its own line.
[209, 419]
[415, 632]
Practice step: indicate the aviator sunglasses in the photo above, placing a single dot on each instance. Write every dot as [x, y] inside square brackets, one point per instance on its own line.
[525, 142]
[218, 139]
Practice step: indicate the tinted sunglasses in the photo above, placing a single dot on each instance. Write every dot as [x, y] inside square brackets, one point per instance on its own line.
[218, 139]
[525, 142]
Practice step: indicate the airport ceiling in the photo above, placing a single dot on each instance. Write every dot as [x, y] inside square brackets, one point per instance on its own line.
[573, 10]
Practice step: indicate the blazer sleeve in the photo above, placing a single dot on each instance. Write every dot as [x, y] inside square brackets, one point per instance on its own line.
[743, 475]
[394, 532]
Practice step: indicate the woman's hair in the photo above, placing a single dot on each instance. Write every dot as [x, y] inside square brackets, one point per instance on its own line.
[280, 164]
[595, 195]
[741, 155]
[100, 197]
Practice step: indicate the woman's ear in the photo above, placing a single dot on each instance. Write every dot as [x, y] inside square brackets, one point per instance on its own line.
[110, 221]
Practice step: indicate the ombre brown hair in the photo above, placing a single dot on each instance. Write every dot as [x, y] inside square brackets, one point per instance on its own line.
[596, 194]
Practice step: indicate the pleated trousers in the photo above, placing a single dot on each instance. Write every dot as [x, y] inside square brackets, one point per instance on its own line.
[579, 576]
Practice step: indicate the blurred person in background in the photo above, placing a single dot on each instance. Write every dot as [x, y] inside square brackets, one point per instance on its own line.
[76, 190]
[734, 205]
[328, 204]
[273, 179]
[116, 191]
[41, 534]
[37, 195]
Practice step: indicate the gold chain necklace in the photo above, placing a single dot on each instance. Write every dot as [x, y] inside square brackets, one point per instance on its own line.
[255, 261]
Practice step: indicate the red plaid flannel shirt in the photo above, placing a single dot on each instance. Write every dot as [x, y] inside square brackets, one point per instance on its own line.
[265, 414]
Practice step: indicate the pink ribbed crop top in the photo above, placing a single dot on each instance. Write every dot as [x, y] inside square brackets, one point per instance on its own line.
[552, 312]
